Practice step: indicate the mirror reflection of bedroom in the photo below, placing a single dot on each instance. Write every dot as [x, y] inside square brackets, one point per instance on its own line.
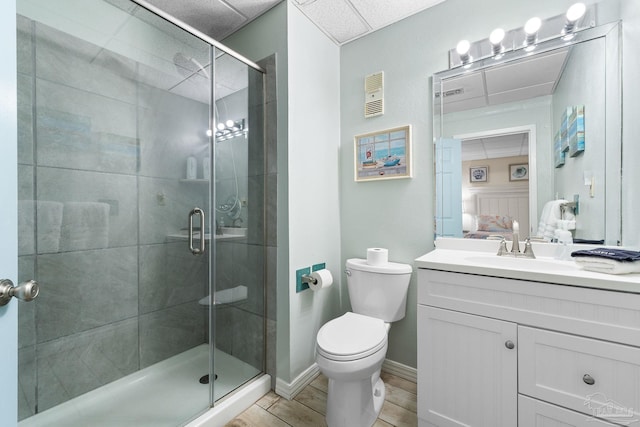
[495, 187]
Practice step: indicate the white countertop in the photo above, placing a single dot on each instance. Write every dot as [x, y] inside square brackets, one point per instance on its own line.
[479, 257]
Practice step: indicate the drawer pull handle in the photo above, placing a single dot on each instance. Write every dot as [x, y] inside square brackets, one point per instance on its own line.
[510, 345]
[588, 379]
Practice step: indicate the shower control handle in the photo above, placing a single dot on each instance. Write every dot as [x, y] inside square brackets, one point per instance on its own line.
[25, 291]
[199, 250]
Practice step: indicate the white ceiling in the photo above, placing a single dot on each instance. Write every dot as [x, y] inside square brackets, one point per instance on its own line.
[495, 147]
[347, 20]
[510, 82]
[340, 20]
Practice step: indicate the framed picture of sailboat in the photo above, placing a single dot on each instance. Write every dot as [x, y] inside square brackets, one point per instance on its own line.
[384, 154]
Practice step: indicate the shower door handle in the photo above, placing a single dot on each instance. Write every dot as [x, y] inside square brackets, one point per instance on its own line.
[199, 250]
[25, 291]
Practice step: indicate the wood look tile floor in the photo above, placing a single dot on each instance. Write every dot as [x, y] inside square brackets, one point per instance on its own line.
[309, 407]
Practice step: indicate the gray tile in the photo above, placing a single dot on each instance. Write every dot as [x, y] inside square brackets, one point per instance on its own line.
[165, 333]
[24, 45]
[271, 210]
[171, 128]
[76, 63]
[83, 290]
[248, 338]
[271, 137]
[25, 119]
[165, 205]
[27, 382]
[256, 217]
[170, 275]
[224, 327]
[271, 282]
[71, 366]
[82, 130]
[26, 311]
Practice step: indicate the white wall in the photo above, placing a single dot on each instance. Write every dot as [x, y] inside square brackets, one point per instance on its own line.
[314, 221]
[583, 83]
[631, 129]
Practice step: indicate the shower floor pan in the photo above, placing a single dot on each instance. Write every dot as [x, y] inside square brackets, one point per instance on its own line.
[165, 394]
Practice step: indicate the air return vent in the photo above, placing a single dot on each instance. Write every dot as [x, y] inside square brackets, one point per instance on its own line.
[374, 94]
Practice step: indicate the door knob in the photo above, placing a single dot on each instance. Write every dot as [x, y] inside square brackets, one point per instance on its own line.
[25, 291]
[510, 345]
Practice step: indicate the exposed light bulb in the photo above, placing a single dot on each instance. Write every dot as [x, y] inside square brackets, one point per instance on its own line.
[209, 132]
[463, 47]
[576, 12]
[532, 26]
[497, 36]
[229, 123]
[220, 126]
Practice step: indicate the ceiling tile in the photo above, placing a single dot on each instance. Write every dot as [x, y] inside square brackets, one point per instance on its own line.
[380, 13]
[252, 8]
[336, 18]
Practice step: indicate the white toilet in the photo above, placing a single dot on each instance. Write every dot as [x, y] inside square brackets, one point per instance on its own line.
[352, 347]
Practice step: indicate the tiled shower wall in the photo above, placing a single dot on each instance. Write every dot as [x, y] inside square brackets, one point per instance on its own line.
[127, 298]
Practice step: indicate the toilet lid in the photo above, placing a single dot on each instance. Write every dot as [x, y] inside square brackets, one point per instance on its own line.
[351, 336]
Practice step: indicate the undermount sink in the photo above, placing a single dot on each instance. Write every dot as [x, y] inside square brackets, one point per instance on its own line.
[520, 263]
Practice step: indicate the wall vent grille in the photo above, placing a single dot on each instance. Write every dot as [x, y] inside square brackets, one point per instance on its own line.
[374, 94]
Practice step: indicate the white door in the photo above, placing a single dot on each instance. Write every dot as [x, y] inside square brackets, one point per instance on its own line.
[449, 183]
[467, 370]
[8, 212]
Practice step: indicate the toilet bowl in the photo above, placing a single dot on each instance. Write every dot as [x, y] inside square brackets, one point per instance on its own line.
[350, 349]
[350, 353]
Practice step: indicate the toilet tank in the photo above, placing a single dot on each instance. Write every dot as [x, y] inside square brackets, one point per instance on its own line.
[378, 290]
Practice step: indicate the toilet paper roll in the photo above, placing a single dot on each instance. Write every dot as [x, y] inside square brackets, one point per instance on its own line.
[323, 277]
[377, 256]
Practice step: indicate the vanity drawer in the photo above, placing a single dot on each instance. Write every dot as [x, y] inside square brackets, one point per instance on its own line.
[607, 315]
[535, 413]
[586, 375]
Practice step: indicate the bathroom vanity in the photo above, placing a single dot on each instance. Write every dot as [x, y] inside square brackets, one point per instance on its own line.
[506, 342]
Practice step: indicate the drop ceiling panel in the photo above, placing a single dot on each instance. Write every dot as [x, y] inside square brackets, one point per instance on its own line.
[537, 71]
[379, 14]
[495, 147]
[251, 9]
[336, 18]
[522, 93]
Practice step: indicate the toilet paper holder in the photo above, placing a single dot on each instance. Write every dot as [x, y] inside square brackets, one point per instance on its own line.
[307, 278]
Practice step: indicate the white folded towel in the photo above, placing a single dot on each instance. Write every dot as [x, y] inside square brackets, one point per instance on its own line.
[608, 266]
[226, 296]
[85, 225]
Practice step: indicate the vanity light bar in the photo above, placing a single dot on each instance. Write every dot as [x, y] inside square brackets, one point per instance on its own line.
[230, 129]
[536, 30]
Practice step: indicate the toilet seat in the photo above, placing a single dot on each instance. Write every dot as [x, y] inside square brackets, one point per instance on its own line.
[351, 336]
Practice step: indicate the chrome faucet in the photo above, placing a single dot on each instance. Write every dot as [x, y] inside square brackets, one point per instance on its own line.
[218, 229]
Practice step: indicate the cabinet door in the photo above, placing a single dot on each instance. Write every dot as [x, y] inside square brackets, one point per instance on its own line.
[467, 369]
[535, 413]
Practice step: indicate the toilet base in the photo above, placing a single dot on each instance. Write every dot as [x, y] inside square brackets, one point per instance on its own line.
[344, 409]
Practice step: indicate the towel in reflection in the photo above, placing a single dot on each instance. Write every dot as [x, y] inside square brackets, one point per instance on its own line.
[85, 225]
[551, 214]
[49, 221]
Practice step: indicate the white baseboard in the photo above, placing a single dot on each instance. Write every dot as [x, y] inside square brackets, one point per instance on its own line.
[400, 370]
[290, 390]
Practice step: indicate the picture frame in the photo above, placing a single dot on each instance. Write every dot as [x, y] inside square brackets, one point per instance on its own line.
[519, 172]
[478, 174]
[384, 154]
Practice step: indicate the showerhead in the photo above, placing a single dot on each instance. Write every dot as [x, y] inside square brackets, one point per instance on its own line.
[188, 66]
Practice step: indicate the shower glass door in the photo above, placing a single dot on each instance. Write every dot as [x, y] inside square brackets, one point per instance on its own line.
[114, 153]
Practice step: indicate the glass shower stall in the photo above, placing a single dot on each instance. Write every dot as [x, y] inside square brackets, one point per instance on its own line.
[141, 209]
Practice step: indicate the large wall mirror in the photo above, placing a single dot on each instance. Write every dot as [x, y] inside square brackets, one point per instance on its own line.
[534, 137]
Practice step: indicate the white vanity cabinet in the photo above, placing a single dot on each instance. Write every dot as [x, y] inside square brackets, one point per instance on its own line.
[506, 352]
